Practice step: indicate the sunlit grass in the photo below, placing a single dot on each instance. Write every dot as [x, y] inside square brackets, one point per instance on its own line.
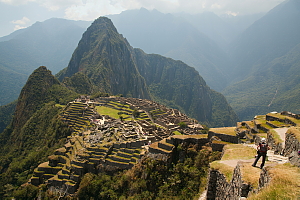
[285, 184]
[238, 151]
[276, 136]
[295, 131]
[223, 168]
[103, 110]
[224, 130]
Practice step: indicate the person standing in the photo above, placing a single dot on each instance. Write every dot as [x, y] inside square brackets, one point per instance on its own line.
[262, 149]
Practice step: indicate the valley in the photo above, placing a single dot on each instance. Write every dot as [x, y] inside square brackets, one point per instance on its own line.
[148, 105]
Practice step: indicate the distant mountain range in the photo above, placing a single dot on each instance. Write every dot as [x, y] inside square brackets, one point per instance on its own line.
[243, 57]
[266, 68]
[49, 43]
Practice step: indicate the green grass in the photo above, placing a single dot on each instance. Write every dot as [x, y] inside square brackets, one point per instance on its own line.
[103, 110]
[58, 105]
[238, 151]
[177, 133]
[295, 131]
[284, 184]
[275, 136]
[223, 168]
[224, 130]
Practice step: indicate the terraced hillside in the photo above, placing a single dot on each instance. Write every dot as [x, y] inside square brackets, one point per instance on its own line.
[108, 134]
[234, 173]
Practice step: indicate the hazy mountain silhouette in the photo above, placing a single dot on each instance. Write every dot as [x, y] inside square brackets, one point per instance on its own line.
[266, 57]
[48, 43]
[174, 37]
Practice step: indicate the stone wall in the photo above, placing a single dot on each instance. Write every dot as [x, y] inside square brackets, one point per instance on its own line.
[224, 137]
[292, 146]
[199, 141]
[219, 189]
[275, 146]
[286, 121]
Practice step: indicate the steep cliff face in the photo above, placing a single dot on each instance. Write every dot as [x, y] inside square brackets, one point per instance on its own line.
[175, 83]
[105, 57]
[178, 85]
[113, 66]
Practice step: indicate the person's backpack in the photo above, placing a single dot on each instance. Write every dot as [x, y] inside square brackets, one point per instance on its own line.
[263, 147]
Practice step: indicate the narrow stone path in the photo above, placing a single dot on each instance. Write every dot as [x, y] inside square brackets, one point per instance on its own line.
[281, 132]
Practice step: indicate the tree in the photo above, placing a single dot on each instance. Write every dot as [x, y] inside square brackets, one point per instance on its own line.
[182, 124]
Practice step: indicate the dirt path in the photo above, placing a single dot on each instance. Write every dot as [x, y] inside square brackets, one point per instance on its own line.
[281, 132]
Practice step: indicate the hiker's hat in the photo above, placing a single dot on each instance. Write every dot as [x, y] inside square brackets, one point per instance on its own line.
[263, 139]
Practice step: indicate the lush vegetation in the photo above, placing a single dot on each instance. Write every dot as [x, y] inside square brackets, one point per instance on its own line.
[184, 178]
[23, 151]
[6, 114]
[35, 130]
[176, 85]
[80, 83]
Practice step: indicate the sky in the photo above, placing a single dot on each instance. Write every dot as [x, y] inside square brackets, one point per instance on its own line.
[17, 14]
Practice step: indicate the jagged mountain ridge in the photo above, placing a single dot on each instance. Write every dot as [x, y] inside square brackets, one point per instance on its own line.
[106, 59]
[111, 64]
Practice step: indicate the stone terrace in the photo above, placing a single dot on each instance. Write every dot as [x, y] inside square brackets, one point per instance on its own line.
[101, 142]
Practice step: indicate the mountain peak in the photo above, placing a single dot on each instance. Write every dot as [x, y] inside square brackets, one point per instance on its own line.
[33, 94]
[106, 58]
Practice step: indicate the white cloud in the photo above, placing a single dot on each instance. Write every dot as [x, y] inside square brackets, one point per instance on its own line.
[22, 21]
[231, 13]
[16, 2]
[91, 9]
[17, 27]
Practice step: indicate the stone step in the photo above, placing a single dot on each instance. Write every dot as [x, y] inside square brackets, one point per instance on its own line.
[130, 151]
[164, 145]
[61, 175]
[95, 160]
[38, 173]
[154, 148]
[96, 156]
[124, 154]
[35, 180]
[121, 165]
[119, 159]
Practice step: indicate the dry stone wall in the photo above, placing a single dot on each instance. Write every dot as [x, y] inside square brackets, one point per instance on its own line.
[218, 188]
[224, 137]
[292, 147]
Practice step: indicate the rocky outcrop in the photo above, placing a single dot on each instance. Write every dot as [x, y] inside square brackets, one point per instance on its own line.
[218, 188]
[274, 145]
[292, 146]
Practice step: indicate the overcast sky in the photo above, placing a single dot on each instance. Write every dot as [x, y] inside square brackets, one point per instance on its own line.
[16, 14]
